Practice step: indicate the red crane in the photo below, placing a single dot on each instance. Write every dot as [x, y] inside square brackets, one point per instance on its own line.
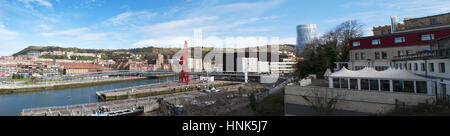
[184, 75]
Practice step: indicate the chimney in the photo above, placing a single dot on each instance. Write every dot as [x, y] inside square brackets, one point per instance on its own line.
[394, 24]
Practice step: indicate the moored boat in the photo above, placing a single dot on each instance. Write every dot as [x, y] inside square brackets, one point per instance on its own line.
[134, 111]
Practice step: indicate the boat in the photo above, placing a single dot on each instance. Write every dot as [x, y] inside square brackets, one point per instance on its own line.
[104, 111]
[213, 89]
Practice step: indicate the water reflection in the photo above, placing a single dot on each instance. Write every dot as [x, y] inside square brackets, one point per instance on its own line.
[12, 104]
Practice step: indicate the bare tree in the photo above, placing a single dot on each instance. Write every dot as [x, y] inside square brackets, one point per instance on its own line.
[345, 32]
[323, 102]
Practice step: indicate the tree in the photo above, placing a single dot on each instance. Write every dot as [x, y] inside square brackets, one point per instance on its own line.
[345, 32]
[332, 47]
[323, 101]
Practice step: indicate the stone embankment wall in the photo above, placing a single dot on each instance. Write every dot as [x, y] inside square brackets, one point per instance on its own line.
[373, 102]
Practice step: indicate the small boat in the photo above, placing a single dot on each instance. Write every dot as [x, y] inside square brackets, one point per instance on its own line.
[104, 111]
[213, 89]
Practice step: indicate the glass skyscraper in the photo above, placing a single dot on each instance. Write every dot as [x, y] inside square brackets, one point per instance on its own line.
[305, 34]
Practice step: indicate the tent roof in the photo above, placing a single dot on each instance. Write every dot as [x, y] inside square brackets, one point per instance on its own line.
[327, 73]
[373, 74]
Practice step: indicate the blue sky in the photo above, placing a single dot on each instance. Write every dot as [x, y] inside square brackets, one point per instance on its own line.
[114, 24]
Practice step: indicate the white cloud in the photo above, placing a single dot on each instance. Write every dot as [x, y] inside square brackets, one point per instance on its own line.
[253, 30]
[119, 18]
[7, 34]
[129, 17]
[9, 41]
[79, 34]
[254, 19]
[367, 31]
[212, 25]
[406, 8]
[235, 26]
[90, 3]
[92, 36]
[288, 40]
[212, 41]
[248, 6]
[167, 42]
[38, 2]
[45, 27]
[172, 11]
[360, 16]
[11, 47]
[374, 13]
[70, 32]
[173, 27]
[433, 6]
[50, 19]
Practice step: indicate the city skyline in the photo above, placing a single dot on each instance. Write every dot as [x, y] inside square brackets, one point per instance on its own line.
[100, 24]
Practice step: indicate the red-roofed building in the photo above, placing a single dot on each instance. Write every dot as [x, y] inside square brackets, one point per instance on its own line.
[79, 68]
[8, 69]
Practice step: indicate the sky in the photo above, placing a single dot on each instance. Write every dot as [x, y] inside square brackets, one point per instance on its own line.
[122, 24]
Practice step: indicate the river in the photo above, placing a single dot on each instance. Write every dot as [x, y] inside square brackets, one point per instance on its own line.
[12, 104]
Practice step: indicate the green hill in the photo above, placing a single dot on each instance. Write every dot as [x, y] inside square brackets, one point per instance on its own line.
[149, 53]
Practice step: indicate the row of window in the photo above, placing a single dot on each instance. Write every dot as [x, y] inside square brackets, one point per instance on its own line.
[381, 85]
[408, 66]
[408, 52]
[425, 37]
[378, 68]
[362, 55]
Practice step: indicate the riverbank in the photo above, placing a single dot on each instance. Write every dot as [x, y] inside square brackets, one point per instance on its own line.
[162, 76]
[156, 89]
[68, 85]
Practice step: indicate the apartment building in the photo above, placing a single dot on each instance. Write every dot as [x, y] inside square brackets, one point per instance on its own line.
[80, 68]
[406, 38]
[8, 69]
[433, 64]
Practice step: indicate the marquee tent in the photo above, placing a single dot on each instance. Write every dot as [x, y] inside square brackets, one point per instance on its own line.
[393, 80]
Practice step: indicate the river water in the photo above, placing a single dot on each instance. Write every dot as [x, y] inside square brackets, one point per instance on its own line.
[12, 104]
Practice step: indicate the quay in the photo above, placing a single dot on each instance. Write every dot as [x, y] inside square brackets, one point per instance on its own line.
[88, 109]
[150, 104]
[68, 84]
[158, 89]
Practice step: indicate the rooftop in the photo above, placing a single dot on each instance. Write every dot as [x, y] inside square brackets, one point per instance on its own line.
[370, 73]
[426, 16]
[446, 27]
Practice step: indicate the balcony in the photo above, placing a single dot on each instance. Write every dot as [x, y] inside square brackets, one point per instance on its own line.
[434, 54]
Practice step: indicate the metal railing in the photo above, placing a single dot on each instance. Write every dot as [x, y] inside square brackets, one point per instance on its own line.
[441, 53]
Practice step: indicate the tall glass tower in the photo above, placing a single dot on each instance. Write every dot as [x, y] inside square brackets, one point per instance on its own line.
[305, 34]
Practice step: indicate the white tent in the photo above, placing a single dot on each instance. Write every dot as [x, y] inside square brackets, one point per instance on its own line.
[353, 79]
[370, 73]
[327, 73]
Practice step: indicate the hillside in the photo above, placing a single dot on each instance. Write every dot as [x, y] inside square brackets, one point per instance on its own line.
[149, 53]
